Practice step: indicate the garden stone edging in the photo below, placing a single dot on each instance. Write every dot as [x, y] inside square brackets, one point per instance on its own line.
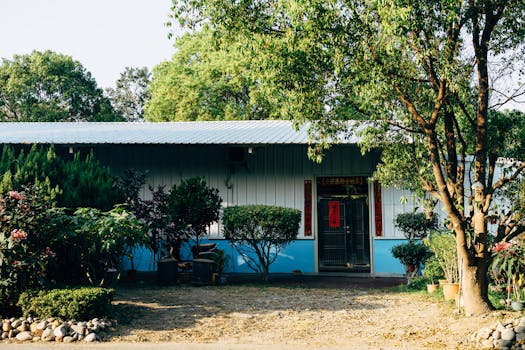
[508, 334]
[52, 329]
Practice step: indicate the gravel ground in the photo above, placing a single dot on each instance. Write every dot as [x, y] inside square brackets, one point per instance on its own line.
[291, 316]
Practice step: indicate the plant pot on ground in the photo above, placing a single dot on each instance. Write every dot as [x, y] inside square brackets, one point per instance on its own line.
[433, 272]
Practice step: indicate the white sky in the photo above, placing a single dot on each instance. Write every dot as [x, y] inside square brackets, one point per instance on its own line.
[105, 36]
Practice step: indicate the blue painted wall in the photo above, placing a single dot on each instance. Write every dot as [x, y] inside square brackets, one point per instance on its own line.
[384, 262]
[298, 255]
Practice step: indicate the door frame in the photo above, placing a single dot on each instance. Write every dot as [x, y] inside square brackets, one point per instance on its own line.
[371, 222]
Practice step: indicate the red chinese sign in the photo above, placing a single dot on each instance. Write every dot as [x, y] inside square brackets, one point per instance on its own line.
[307, 207]
[334, 214]
[378, 209]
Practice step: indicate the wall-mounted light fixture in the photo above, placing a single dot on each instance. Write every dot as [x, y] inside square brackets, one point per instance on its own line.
[71, 150]
[250, 150]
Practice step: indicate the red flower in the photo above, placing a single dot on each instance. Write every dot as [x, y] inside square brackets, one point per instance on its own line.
[18, 234]
[49, 252]
[15, 195]
[498, 247]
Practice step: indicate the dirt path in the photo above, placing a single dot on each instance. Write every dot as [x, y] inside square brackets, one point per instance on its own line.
[290, 316]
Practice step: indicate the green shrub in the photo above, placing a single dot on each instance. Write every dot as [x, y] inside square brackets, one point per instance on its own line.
[68, 304]
[443, 245]
[433, 270]
[416, 225]
[411, 253]
[74, 183]
[193, 206]
[103, 239]
[260, 232]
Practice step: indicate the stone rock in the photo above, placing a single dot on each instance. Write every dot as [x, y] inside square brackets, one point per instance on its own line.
[41, 325]
[29, 319]
[4, 335]
[521, 322]
[519, 329]
[484, 333]
[6, 326]
[13, 333]
[56, 323]
[500, 327]
[68, 339]
[16, 323]
[48, 335]
[520, 337]
[32, 327]
[496, 335]
[60, 332]
[78, 329]
[79, 337]
[502, 343]
[91, 337]
[508, 334]
[23, 327]
[23, 336]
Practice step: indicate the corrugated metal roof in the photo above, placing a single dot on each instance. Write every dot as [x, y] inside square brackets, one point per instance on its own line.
[211, 132]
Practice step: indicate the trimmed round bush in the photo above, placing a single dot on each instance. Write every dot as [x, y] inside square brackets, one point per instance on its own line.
[69, 304]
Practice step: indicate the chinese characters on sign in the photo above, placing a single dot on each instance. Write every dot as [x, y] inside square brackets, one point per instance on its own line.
[334, 214]
[378, 209]
[307, 207]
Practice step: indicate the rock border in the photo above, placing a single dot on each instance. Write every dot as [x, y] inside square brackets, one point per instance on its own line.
[32, 329]
[508, 334]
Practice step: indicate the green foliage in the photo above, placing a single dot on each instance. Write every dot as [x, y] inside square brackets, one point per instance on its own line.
[411, 253]
[443, 245]
[25, 240]
[102, 239]
[80, 182]
[260, 232]
[433, 270]
[425, 75]
[50, 87]
[508, 266]
[88, 184]
[208, 79]
[193, 206]
[131, 93]
[415, 225]
[68, 304]
[418, 283]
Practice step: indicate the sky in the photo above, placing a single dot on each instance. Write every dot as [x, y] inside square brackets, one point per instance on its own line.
[105, 36]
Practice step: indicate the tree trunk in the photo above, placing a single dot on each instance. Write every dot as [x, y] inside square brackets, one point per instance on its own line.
[474, 288]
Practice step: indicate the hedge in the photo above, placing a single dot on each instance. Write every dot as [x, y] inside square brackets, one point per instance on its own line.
[69, 304]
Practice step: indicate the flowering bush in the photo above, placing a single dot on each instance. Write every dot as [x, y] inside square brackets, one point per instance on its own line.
[508, 266]
[24, 243]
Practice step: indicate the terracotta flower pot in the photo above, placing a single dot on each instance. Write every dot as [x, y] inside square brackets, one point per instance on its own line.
[431, 288]
[442, 282]
[450, 290]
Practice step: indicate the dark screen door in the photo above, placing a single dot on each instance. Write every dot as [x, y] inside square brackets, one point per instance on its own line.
[343, 234]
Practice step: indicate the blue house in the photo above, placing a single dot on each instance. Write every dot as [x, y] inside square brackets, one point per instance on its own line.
[347, 221]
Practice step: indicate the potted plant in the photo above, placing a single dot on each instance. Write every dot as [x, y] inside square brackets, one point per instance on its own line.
[433, 272]
[443, 246]
[415, 226]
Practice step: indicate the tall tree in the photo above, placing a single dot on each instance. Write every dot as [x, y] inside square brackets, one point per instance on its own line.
[208, 79]
[49, 87]
[425, 74]
[131, 93]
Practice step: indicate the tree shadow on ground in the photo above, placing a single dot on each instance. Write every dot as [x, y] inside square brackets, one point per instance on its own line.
[152, 308]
